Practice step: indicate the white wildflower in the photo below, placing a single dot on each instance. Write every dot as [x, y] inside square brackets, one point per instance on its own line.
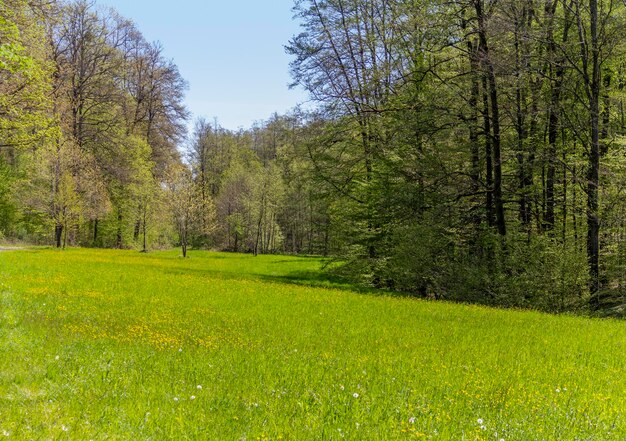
[355, 395]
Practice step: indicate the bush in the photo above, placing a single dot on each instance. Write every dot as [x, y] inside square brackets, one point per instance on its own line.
[429, 261]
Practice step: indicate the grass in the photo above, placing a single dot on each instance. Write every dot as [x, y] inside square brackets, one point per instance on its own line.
[118, 345]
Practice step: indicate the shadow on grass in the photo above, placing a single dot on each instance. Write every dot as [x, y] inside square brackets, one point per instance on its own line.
[329, 280]
[324, 278]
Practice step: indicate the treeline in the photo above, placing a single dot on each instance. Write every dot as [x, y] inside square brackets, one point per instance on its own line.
[260, 183]
[467, 150]
[91, 117]
[95, 150]
[474, 149]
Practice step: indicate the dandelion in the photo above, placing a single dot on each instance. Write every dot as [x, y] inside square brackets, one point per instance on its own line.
[558, 390]
[65, 428]
[480, 421]
[483, 428]
[341, 387]
[199, 387]
[193, 397]
[5, 433]
[412, 420]
[175, 398]
[355, 395]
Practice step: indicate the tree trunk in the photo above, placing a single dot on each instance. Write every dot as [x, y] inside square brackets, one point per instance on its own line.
[326, 237]
[260, 223]
[565, 199]
[490, 75]
[95, 231]
[553, 121]
[137, 230]
[488, 157]
[553, 113]
[118, 240]
[575, 205]
[183, 238]
[144, 230]
[606, 113]
[367, 153]
[521, 66]
[58, 235]
[593, 173]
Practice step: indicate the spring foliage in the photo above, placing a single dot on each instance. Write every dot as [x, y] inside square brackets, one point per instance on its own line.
[468, 150]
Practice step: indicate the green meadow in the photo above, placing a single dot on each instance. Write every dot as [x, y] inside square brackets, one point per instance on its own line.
[116, 345]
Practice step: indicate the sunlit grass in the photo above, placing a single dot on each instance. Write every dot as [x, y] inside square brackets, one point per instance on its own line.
[119, 345]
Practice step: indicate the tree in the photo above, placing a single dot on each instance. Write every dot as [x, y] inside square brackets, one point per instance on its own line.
[190, 215]
[24, 76]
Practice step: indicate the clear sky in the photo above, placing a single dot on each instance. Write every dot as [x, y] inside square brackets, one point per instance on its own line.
[230, 51]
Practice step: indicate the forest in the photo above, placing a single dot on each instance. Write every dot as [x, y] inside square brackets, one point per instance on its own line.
[463, 150]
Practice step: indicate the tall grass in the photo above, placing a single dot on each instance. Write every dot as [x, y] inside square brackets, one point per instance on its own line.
[118, 345]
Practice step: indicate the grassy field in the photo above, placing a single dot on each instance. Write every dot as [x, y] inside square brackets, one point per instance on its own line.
[119, 345]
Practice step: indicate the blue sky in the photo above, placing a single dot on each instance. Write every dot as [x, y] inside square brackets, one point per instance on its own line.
[230, 52]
